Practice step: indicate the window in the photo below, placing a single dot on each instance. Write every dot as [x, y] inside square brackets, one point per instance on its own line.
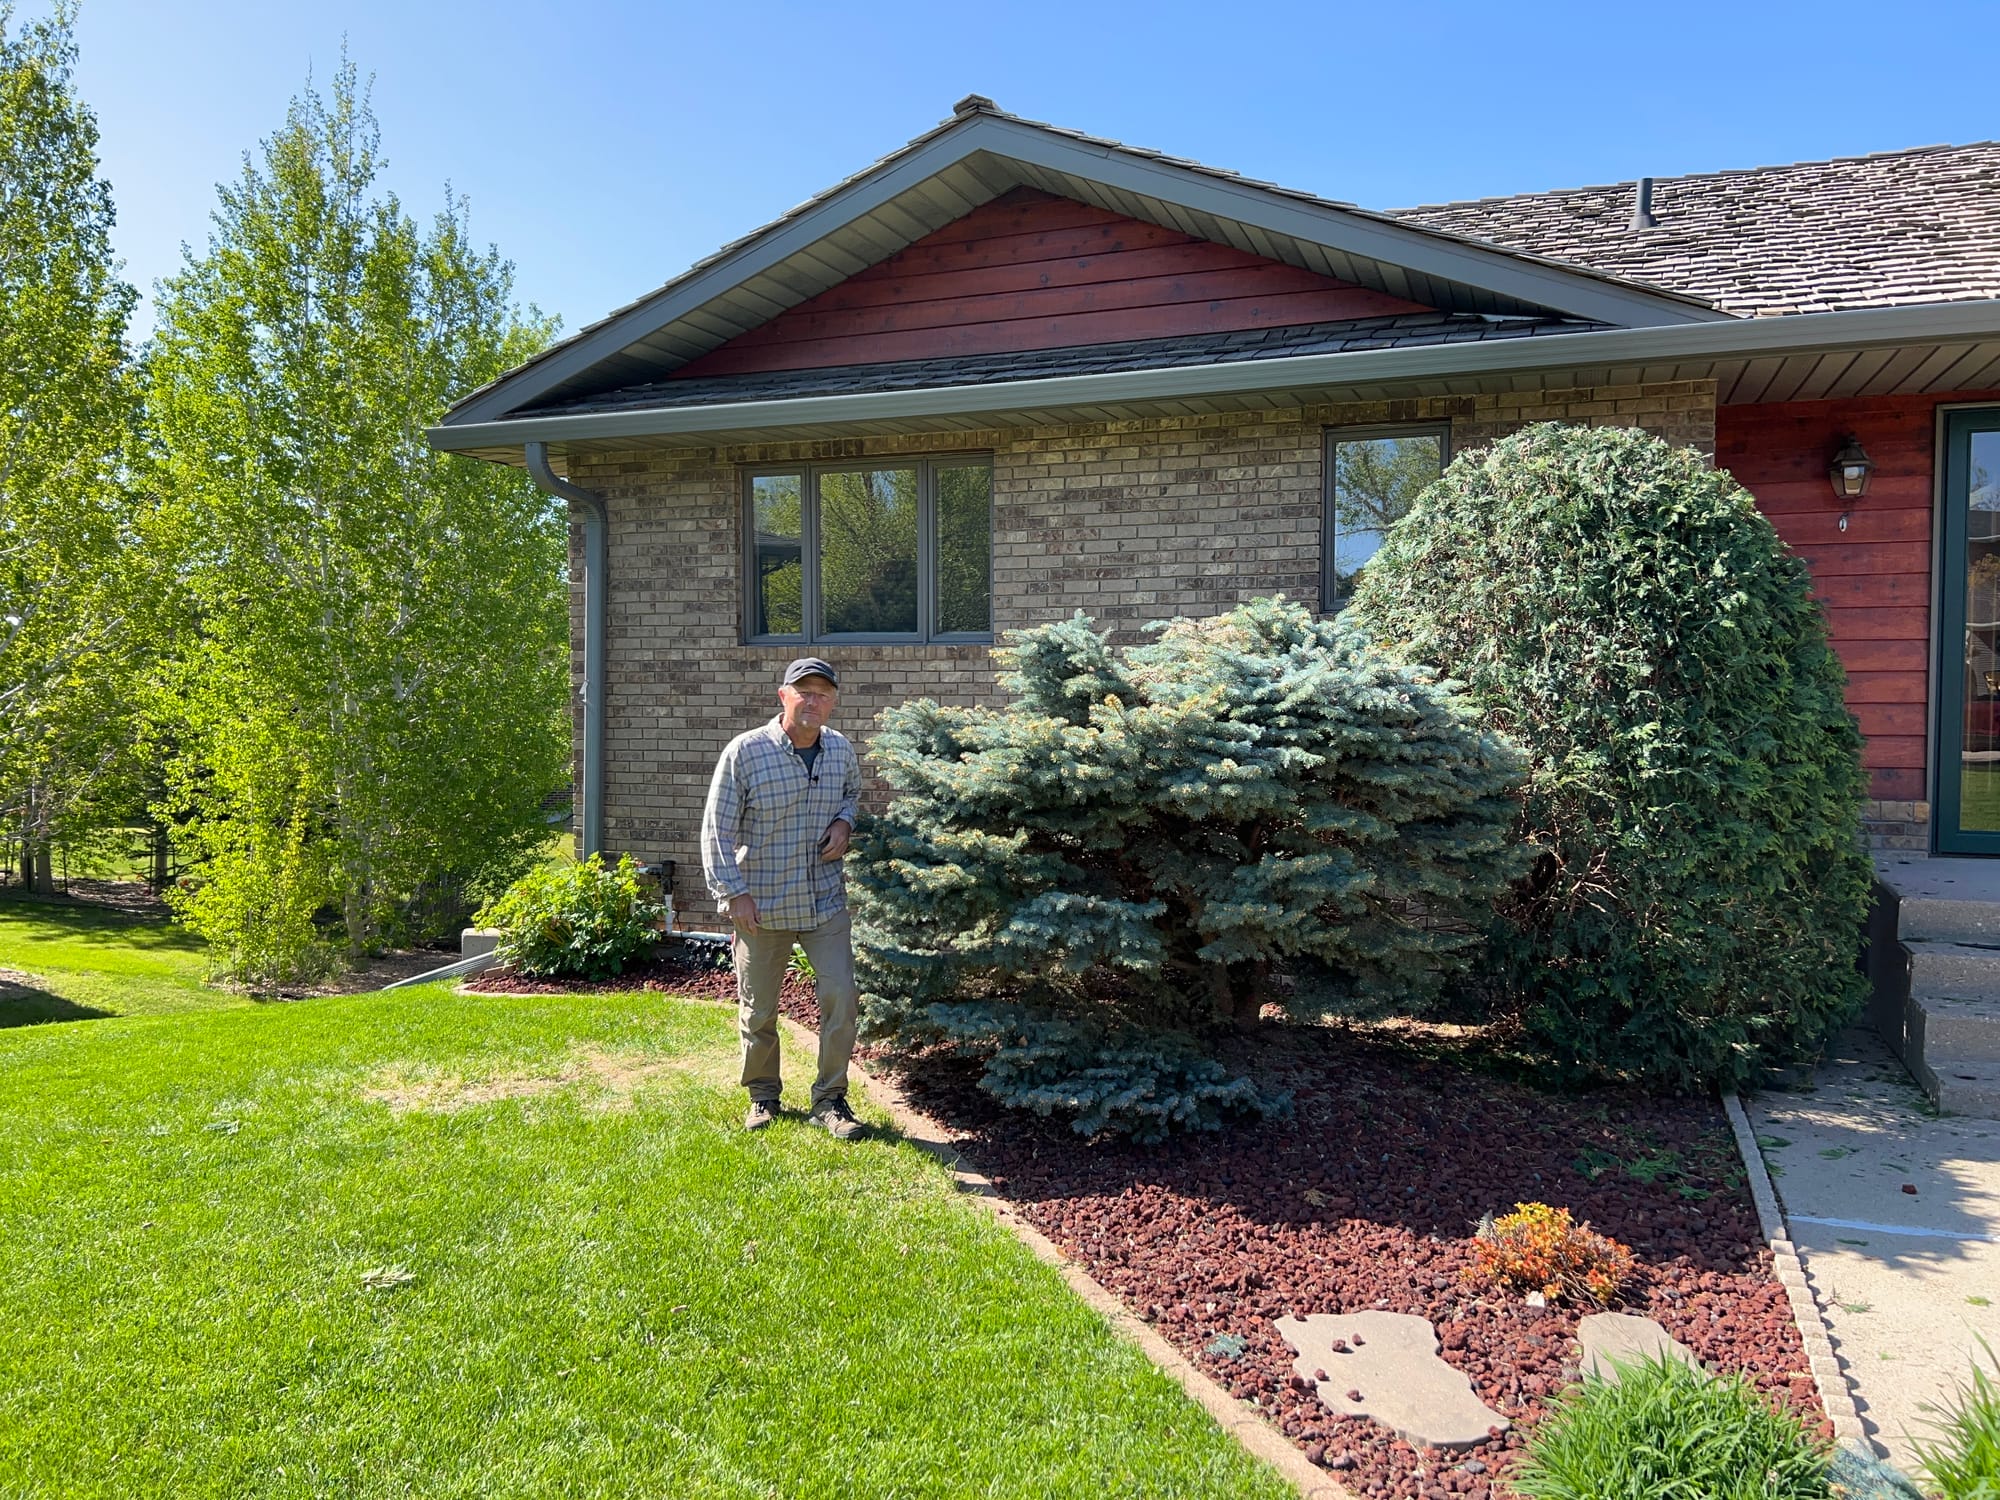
[894, 550]
[1372, 475]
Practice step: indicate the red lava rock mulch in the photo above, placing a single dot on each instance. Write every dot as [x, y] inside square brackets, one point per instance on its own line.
[676, 969]
[1368, 1197]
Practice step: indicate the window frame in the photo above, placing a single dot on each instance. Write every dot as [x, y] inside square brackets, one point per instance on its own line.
[809, 475]
[1329, 536]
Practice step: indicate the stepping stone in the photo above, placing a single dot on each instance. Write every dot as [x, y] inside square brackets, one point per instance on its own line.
[1390, 1372]
[1628, 1339]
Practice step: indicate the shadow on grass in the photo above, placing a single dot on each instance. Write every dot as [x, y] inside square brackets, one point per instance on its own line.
[57, 918]
[23, 1005]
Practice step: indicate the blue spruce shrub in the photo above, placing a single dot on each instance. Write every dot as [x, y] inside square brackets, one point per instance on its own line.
[1087, 886]
[1622, 611]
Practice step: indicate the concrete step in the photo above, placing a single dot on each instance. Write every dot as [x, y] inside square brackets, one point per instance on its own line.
[1962, 1087]
[1948, 919]
[1961, 971]
[1946, 1026]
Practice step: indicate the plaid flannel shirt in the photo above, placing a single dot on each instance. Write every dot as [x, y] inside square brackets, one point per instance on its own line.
[765, 816]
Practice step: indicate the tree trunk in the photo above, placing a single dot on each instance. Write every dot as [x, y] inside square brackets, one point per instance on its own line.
[40, 868]
[162, 850]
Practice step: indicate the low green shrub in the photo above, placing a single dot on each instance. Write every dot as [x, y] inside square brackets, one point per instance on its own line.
[1624, 613]
[1962, 1457]
[1667, 1431]
[575, 921]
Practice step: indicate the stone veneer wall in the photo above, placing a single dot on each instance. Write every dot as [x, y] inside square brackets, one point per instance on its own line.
[1128, 521]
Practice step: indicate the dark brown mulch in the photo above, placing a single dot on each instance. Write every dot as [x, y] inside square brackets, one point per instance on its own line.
[1368, 1198]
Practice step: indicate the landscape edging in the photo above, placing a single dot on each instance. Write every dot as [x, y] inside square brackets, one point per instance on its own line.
[1836, 1395]
[1251, 1429]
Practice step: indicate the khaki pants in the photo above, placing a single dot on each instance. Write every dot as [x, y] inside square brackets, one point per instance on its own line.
[760, 971]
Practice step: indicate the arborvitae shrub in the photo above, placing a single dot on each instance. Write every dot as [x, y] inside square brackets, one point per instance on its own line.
[1624, 613]
[1145, 846]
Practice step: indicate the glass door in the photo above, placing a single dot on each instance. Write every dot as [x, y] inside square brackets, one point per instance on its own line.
[1968, 783]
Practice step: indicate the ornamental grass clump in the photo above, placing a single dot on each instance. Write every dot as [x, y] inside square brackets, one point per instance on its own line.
[1961, 1458]
[1085, 887]
[1537, 1248]
[1667, 1431]
[575, 921]
[1623, 611]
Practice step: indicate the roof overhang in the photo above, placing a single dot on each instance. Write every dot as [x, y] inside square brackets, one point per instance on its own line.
[1876, 351]
[973, 159]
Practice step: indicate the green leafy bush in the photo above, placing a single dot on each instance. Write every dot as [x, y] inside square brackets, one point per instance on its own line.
[1693, 800]
[1667, 1431]
[576, 921]
[1083, 887]
[254, 898]
[1962, 1457]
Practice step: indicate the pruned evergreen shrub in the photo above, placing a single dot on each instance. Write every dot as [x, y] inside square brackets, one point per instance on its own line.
[1145, 846]
[1624, 612]
[576, 921]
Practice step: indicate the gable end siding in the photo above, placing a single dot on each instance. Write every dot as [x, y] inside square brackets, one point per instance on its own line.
[1034, 271]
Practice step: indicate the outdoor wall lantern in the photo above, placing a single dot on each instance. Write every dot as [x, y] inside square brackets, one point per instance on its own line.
[1849, 471]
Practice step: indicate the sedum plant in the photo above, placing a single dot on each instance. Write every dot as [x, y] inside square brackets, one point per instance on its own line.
[1623, 611]
[1665, 1430]
[575, 921]
[1537, 1248]
[1085, 886]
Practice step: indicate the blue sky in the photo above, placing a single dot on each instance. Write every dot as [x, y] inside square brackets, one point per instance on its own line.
[606, 144]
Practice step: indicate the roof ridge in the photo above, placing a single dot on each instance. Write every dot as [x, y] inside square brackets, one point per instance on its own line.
[1625, 183]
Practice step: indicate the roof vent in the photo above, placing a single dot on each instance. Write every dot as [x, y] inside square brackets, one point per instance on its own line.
[972, 104]
[1642, 206]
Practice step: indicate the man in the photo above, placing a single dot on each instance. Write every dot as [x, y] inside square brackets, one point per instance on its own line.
[781, 809]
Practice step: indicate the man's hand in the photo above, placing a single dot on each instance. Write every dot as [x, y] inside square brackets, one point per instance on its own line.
[834, 845]
[743, 913]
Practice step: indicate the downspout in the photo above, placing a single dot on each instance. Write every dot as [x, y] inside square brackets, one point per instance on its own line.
[596, 523]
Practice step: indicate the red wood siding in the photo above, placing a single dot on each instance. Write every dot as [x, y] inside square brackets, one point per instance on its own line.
[1034, 271]
[1875, 577]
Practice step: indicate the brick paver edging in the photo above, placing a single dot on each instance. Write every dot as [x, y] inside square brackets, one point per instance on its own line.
[1239, 1419]
[1835, 1394]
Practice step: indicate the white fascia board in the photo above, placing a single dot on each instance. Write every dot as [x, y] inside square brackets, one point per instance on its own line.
[1940, 323]
[1574, 292]
[677, 298]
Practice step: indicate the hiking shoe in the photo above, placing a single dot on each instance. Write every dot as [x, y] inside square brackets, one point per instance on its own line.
[762, 1112]
[836, 1119]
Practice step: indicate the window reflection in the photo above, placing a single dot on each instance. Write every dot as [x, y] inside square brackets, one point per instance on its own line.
[964, 550]
[868, 552]
[778, 583]
[1374, 479]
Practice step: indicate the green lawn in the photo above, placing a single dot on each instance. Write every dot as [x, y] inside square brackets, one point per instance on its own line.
[93, 961]
[430, 1244]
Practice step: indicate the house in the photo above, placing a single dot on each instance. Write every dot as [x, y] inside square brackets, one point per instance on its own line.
[1010, 371]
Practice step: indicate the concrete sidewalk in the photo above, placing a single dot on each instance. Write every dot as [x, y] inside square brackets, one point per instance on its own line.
[1908, 1281]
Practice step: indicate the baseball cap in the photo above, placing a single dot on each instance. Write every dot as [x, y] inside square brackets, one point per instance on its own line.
[810, 666]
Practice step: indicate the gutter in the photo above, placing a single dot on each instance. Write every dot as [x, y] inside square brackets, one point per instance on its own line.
[596, 525]
[1947, 322]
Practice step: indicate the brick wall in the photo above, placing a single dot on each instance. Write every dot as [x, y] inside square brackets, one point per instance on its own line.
[1129, 521]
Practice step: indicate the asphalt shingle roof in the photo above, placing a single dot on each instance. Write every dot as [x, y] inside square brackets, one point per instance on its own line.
[1407, 330]
[1891, 229]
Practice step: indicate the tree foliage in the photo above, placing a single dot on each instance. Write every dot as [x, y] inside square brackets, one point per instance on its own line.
[370, 705]
[71, 595]
[1082, 886]
[1624, 612]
